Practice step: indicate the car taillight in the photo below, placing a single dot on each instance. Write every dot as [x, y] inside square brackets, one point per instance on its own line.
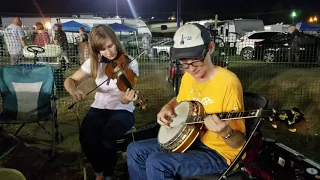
[257, 45]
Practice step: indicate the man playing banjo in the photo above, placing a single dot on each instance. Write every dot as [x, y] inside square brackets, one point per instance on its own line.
[218, 90]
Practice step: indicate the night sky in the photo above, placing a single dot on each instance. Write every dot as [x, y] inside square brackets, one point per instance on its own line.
[270, 11]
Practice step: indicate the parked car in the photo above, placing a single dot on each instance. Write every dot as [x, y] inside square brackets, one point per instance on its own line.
[277, 48]
[245, 45]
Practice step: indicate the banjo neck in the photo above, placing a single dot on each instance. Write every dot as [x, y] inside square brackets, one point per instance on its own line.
[225, 116]
[238, 115]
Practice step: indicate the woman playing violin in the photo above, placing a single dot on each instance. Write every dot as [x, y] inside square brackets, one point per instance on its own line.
[111, 113]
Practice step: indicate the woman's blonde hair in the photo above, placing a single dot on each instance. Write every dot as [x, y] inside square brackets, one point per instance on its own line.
[39, 26]
[98, 36]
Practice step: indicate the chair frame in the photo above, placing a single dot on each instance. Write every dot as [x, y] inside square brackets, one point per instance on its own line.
[232, 170]
[54, 128]
[229, 171]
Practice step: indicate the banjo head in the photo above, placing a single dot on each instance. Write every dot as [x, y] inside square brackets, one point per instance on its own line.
[182, 113]
[174, 138]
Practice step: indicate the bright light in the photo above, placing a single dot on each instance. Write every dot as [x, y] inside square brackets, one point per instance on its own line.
[48, 25]
[171, 18]
[293, 14]
[311, 19]
[133, 10]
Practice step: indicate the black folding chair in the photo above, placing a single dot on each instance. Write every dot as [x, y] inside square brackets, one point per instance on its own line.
[237, 170]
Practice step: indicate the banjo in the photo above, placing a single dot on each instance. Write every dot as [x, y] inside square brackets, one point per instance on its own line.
[188, 123]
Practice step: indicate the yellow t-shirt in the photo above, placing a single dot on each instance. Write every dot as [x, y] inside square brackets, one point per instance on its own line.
[222, 93]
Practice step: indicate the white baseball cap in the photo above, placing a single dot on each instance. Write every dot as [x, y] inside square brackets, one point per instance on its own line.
[191, 41]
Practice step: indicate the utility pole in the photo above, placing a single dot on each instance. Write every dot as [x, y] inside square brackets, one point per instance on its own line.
[117, 8]
[178, 79]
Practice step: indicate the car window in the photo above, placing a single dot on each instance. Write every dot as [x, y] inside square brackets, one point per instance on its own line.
[281, 37]
[264, 35]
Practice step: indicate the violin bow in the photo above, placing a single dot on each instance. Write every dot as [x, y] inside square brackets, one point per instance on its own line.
[72, 105]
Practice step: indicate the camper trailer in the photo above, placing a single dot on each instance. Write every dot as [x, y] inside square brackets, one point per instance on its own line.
[210, 23]
[138, 24]
[277, 27]
[231, 30]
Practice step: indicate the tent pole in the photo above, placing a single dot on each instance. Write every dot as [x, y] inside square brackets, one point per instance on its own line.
[135, 34]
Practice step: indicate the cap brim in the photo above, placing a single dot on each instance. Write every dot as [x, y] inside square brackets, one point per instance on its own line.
[188, 53]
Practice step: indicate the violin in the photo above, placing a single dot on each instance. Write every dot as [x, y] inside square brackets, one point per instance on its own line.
[126, 78]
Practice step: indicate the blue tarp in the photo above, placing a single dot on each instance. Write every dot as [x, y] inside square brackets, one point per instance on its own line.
[307, 27]
[121, 28]
[73, 26]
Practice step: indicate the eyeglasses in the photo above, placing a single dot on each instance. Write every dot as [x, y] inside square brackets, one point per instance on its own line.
[196, 63]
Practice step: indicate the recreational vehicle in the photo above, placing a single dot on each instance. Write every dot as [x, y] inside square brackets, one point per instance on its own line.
[231, 30]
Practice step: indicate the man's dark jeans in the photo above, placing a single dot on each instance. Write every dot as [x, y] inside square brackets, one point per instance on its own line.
[146, 161]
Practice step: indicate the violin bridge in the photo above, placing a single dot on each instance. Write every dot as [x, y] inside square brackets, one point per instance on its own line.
[119, 73]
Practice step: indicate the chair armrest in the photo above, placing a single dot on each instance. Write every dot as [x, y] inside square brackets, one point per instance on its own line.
[54, 97]
[241, 153]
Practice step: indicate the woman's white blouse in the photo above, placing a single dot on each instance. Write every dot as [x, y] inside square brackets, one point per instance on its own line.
[108, 94]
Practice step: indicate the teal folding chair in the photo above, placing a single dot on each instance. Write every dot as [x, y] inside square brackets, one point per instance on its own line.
[28, 96]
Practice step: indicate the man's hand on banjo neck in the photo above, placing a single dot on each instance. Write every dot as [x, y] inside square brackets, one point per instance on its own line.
[233, 138]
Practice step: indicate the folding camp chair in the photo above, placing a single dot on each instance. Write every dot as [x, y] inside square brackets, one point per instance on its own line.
[28, 96]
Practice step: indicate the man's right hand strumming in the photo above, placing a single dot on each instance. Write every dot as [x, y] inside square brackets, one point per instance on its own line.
[164, 116]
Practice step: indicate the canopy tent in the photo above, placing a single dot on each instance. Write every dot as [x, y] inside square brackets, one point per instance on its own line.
[73, 26]
[121, 28]
[307, 27]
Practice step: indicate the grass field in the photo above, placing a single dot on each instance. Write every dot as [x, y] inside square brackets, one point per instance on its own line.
[283, 86]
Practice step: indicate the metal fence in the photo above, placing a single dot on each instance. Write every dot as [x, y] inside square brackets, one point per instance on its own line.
[266, 63]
